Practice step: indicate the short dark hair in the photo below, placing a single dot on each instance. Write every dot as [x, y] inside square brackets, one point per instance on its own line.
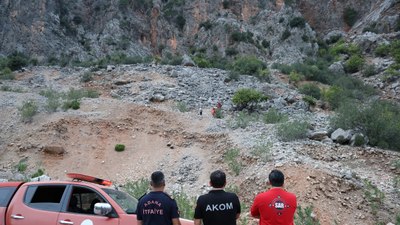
[157, 179]
[218, 179]
[276, 178]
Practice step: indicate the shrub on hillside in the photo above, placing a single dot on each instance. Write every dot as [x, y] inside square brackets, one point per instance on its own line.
[119, 147]
[286, 34]
[206, 24]
[311, 89]
[369, 70]
[250, 65]
[297, 22]
[16, 61]
[137, 188]
[86, 77]
[6, 74]
[180, 21]
[274, 116]
[334, 95]
[226, 4]
[304, 216]
[241, 120]
[354, 64]
[28, 109]
[350, 16]
[247, 98]
[293, 130]
[379, 121]
[382, 50]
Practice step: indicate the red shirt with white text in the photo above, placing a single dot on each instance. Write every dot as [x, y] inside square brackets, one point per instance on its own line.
[274, 207]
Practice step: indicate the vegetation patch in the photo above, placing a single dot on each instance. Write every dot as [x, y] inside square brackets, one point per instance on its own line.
[274, 116]
[293, 130]
[119, 147]
[232, 157]
[247, 98]
[304, 216]
[250, 65]
[28, 109]
[378, 120]
[137, 188]
[350, 16]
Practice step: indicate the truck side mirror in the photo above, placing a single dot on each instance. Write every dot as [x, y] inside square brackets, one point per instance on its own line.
[102, 209]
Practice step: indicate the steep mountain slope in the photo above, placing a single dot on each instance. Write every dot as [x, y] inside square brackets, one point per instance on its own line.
[138, 107]
[73, 31]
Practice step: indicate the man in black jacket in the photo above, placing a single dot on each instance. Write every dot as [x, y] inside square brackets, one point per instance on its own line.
[217, 207]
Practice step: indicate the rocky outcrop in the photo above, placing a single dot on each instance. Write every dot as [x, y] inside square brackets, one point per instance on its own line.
[87, 30]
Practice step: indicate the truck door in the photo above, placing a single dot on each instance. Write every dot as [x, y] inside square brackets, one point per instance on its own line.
[78, 208]
[36, 204]
[7, 190]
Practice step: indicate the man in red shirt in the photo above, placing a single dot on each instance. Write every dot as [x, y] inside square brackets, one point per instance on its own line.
[275, 206]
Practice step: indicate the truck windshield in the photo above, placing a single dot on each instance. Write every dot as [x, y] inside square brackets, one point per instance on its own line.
[125, 201]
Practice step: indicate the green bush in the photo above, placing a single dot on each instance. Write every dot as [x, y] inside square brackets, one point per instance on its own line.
[382, 50]
[295, 77]
[354, 64]
[297, 22]
[226, 4]
[38, 173]
[374, 196]
[247, 98]
[86, 77]
[185, 204]
[207, 25]
[137, 188]
[170, 59]
[241, 120]
[201, 61]
[369, 70]
[350, 16]
[304, 216]
[22, 166]
[6, 74]
[28, 109]
[310, 100]
[119, 147]
[334, 95]
[378, 120]
[233, 75]
[52, 104]
[17, 60]
[250, 65]
[293, 130]
[286, 34]
[180, 21]
[182, 106]
[265, 43]
[311, 89]
[238, 36]
[230, 51]
[71, 104]
[274, 116]
[231, 157]
[262, 150]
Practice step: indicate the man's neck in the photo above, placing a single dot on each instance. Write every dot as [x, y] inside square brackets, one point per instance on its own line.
[157, 189]
[217, 189]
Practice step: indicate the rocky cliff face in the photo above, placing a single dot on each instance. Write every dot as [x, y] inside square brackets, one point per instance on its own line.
[91, 29]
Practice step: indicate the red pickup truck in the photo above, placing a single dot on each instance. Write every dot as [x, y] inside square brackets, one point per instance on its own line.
[66, 202]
